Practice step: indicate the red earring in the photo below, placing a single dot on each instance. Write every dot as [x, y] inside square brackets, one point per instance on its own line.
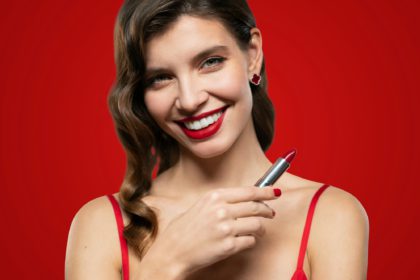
[256, 79]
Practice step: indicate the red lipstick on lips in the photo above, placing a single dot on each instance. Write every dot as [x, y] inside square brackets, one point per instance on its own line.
[207, 131]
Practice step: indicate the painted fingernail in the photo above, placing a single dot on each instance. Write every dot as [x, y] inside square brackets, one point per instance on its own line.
[274, 213]
[277, 192]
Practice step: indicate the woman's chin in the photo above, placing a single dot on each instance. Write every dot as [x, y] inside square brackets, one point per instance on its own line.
[207, 150]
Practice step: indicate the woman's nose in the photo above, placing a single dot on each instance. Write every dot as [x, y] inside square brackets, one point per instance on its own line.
[190, 97]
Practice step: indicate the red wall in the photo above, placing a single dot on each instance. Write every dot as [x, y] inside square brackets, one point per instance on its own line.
[343, 76]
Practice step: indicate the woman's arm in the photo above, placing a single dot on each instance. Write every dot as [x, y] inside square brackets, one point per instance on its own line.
[338, 244]
[93, 249]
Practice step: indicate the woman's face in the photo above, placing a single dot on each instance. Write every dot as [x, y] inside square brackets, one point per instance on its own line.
[197, 87]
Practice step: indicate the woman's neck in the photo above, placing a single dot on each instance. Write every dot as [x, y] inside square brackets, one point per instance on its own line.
[239, 166]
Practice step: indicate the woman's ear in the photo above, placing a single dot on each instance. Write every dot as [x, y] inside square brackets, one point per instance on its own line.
[255, 53]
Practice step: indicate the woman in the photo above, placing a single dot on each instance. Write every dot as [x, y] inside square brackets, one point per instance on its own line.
[191, 96]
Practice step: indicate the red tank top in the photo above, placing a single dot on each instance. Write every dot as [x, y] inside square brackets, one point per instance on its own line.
[123, 242]
[298, 275]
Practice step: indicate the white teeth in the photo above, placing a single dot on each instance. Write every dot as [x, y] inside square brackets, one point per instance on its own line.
[204, 122]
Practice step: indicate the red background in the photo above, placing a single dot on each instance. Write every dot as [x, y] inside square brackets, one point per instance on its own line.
[343, 76]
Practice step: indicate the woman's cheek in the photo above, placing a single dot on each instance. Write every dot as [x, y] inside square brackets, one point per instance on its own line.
[158, 106]
[229, 85]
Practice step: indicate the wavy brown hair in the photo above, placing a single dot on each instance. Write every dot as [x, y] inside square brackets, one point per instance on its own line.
[145, 144]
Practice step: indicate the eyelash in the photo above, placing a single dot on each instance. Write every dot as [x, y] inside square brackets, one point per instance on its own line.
[152, 81]
[216, 61]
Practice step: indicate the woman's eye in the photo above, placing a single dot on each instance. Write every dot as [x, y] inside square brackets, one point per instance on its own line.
[155, 81]
[212, 61]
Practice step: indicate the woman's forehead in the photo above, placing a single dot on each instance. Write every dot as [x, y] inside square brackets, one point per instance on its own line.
[187, 36]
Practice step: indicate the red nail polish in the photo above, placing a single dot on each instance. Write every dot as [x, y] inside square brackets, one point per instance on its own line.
[277, 192]
[274, 213]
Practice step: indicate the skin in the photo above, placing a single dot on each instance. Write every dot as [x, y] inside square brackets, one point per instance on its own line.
[213, 223]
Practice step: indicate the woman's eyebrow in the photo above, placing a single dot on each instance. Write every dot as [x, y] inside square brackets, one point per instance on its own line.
[195, 60]
[203, 54]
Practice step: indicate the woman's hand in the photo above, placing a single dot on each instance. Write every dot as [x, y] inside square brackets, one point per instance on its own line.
[220, 224]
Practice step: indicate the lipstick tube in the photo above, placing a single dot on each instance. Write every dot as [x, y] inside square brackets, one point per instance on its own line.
[276, 170]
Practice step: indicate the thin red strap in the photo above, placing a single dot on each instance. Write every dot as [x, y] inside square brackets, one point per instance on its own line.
[308, 223]
[123, 242]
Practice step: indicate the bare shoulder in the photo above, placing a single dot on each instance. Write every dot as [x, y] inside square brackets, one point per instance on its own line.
[338, 243]
[93, 242]
[334, 201]
[341, 207]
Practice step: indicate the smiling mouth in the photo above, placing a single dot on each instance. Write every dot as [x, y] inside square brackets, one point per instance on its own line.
[202, 121]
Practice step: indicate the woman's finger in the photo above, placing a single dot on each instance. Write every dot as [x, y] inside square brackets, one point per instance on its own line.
[249, 209]
[234, 195]
[248, 226]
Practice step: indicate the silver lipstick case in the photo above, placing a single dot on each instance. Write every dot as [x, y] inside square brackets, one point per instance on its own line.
[272, 174]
